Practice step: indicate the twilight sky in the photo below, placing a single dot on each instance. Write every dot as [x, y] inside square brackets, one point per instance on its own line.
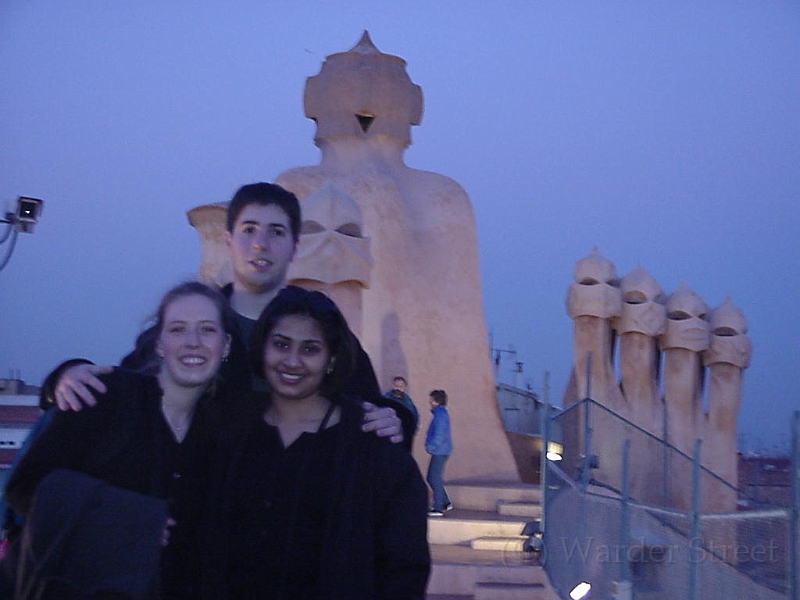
[665, 133]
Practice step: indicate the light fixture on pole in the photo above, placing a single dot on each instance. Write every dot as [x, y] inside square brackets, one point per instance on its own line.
[21, 220]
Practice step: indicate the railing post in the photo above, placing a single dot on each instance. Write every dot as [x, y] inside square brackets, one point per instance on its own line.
[589, 375]
[794, 541]
[545, 428]
[757, 469]
[587, 456]
[587, 426]
[625, 526]
[694, 550]
[666, 460]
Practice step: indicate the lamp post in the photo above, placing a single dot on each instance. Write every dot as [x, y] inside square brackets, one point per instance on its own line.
[498, 352]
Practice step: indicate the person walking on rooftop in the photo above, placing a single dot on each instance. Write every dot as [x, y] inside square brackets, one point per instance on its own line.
[439, 444]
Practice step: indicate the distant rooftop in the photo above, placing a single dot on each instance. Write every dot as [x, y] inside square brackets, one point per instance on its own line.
[17, 387]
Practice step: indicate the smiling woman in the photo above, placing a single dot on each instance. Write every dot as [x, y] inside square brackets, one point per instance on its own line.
[146, 444]
[192, 344]
[305, 501]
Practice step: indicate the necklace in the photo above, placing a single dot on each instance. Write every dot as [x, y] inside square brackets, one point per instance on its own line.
[178, 428]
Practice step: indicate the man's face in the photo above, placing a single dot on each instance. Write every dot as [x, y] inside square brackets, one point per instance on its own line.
[261, 248]
[399, 386]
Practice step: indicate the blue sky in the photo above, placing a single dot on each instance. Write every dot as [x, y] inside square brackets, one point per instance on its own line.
[665, 133]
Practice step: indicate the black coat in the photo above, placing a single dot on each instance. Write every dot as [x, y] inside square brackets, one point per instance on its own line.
[374, 542]
[125, 442]
[84, 536]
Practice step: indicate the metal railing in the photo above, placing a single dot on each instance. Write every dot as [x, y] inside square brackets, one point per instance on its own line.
[633, 519]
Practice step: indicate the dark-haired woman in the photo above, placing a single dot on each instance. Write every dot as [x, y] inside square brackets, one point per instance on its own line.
[308, 506]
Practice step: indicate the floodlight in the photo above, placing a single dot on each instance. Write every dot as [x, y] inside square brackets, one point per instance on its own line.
[27, 213]
[22, 219]
[532, 528]
[580, 591]
[533, 544]
[555, 451]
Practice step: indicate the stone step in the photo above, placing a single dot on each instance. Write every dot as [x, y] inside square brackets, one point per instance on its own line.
[477, 495]
[516, 569]
[476, 549]
[510, 591]
[457, 569]
[462, 526]
[528, 510]
[512, 543]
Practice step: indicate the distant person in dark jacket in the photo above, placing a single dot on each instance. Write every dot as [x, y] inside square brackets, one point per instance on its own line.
[398, 394]
[439, 444]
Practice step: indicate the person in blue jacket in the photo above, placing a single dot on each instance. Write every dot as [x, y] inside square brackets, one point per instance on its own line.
[439, 444]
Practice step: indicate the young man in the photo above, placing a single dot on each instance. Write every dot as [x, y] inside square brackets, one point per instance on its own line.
[439, 444]
[263, 227]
